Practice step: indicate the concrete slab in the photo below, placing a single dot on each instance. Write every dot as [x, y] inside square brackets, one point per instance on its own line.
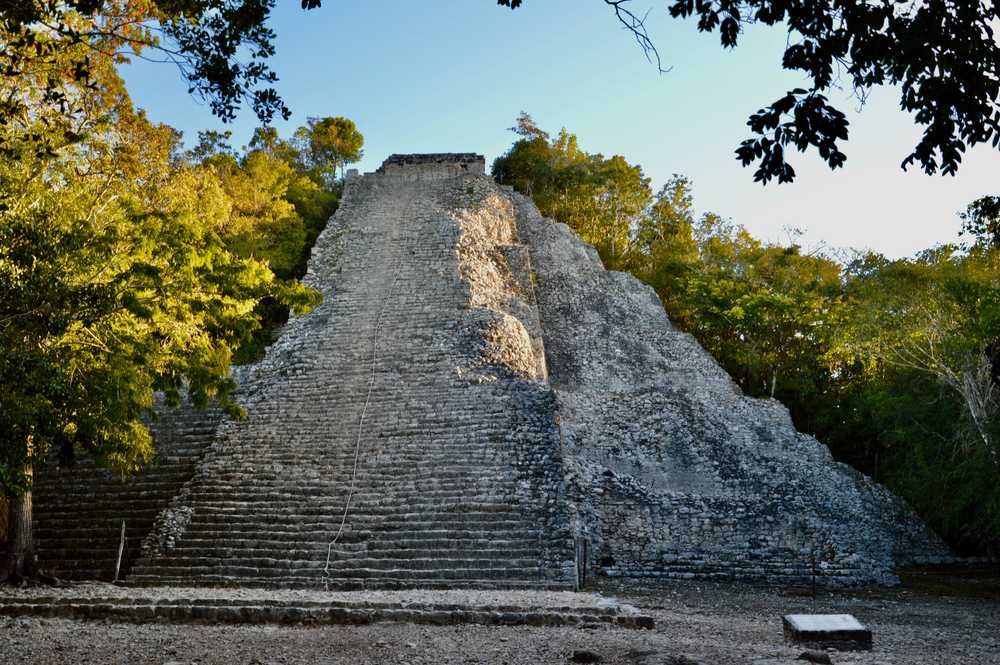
[831, 631]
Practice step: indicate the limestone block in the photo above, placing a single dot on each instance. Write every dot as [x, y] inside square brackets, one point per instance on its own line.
[833, 631]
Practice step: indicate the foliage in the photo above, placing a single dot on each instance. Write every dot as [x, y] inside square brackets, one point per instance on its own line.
[220, 47]
[943, 57]
[326, 144]
[601, 199]
[275, 198]
[763, 310]
[981, 221]
[115, 281]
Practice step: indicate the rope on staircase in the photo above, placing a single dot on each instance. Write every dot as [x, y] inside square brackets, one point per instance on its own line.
[364, 410]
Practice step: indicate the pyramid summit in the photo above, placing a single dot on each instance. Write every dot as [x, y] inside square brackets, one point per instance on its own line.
[477, 402]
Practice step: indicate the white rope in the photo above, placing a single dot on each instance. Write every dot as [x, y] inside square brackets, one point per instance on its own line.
[364, 412]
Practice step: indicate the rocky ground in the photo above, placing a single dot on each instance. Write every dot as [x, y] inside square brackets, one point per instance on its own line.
[933, 618]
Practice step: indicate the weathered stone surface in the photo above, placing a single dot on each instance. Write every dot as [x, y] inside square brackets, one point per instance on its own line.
[836, 631]
[671, 470]
[475, 395]
[79, 509]
[401, 434]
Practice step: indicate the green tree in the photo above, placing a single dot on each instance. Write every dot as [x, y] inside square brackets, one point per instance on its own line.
[666, 252]
[763, 310]
[940, 315]
[274, 204]
[601, 199]
[220, 47]
[114, 283]
[327, 144]
[920, 332]
[981, 221]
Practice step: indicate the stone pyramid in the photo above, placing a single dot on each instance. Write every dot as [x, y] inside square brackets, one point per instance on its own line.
[478, 402]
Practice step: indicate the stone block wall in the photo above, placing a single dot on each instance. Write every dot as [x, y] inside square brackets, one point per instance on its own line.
[434, 165]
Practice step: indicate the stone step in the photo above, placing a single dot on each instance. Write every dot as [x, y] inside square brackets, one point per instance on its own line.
[204, 560]
[263, 610]
[315, 571]
[339, 552]
[419, 542]
[402, 489]
[97, 485]
[251, 509]
[355, 533]
[105, 509]
[345, 583]
[214, 496]
[484, 523]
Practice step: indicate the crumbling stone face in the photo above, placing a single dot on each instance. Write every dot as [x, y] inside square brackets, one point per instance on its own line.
[433, 164]
[672, 471]
[495, 267]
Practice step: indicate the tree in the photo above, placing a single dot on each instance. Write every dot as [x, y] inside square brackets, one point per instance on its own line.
[326, 144]
[942, 54]
[275, 206]
[921, 331]
[763, 310]
[220, 47]
[114, 283]
[939, 315]
[602, 199]
[981, 221]
[666, 251]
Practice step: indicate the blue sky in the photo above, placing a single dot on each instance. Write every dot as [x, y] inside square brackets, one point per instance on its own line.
[452, 75]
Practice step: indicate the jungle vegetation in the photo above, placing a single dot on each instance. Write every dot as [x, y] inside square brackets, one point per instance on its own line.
[129, 265]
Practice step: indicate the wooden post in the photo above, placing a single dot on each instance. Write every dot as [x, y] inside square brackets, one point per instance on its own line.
[121, 549]
[4, 523]
[21, 553]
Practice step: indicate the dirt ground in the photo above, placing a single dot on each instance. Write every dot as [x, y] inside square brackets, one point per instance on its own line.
[936, 617]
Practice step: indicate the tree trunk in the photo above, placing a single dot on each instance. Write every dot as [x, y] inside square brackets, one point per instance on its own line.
[20, 562]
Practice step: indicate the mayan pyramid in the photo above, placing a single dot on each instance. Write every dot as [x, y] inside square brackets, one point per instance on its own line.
[477, 402]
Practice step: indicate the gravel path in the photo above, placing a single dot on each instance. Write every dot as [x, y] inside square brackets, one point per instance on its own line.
[708, 624]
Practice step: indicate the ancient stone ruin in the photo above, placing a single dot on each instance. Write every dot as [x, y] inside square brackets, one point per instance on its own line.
[477, 402]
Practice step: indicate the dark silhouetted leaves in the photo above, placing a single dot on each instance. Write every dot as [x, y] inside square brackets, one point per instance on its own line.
[942, 54]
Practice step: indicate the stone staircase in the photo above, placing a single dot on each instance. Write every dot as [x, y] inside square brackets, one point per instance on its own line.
[382, 397]
[79, 509]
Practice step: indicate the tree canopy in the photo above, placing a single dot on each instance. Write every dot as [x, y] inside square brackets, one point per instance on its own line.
[126, 268]
[942, 55]
[220, 47]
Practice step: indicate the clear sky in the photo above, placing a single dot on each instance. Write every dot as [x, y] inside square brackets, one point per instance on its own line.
[452, 75]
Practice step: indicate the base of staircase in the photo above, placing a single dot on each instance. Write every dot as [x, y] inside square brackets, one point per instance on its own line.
[218, 606]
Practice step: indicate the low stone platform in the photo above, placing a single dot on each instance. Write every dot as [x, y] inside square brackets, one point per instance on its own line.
[828, 631]
[251, 606]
